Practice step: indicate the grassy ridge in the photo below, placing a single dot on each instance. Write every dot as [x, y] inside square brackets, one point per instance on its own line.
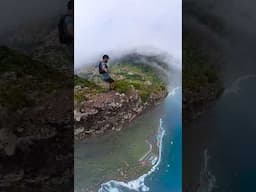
[127, 77]
[141, 77]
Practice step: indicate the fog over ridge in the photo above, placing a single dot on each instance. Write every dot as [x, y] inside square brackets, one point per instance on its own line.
[117, 27]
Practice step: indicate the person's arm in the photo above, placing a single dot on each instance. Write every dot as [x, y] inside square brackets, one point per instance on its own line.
[104, 68]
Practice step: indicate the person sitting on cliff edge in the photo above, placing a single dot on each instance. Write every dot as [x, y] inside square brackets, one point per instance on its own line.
[104, 71]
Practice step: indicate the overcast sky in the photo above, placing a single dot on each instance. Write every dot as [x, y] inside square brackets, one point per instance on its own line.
[114, 26]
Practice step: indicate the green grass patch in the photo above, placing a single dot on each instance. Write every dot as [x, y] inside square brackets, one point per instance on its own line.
[138, 76]
[122, 86]
[84, 82]
[87, 87]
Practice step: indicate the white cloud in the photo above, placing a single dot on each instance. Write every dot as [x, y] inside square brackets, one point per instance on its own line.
[114, 26]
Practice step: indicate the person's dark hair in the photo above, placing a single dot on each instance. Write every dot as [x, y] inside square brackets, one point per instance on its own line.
[105, 57]
[70, 5]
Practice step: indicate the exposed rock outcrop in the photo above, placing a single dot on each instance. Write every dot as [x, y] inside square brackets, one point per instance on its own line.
[110, 111]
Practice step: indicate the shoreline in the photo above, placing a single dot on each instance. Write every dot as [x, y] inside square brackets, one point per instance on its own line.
[128, 171]
[135, 184]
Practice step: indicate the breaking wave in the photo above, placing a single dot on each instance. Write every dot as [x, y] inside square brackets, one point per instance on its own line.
[137, 185]
[235, 88]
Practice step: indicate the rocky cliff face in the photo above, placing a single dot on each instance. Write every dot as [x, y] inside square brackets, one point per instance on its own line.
[110, 111]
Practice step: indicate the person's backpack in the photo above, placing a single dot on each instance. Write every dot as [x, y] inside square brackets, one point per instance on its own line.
[101, 71]
[64, 38]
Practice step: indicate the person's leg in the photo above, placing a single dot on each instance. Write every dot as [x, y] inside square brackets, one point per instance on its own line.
[109, 84]
[112, 83]
[109, 80]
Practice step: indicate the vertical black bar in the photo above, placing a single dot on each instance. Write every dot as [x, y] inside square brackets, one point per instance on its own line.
[36, 98]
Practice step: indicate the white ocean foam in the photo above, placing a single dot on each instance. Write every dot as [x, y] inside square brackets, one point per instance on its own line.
[174, 91]
[207, 179]
[137, 185]
[235, 88]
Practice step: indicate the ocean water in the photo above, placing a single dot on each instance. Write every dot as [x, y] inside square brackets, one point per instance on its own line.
[227, 131]
[231, 147]
[166, 174]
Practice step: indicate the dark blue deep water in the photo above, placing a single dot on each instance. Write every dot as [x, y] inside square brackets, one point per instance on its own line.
[227, 131]
[168, 178]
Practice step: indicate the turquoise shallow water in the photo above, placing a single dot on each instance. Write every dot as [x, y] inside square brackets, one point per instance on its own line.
[166, 175]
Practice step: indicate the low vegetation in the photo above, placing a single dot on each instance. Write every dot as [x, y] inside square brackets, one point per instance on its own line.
[197, 72]
[127, 77]
[201, 79]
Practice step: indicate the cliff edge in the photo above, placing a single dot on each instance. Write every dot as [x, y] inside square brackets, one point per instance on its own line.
[98, 110]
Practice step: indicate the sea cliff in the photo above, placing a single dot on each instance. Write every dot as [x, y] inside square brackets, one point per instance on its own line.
[98, 110]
